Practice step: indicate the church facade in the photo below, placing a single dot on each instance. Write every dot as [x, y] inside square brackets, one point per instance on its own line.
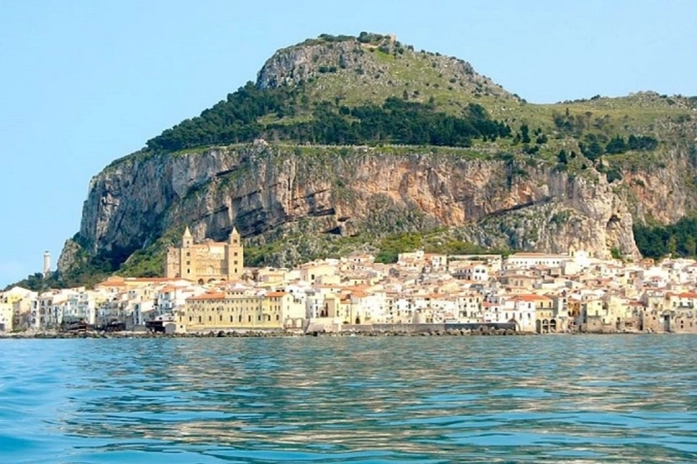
[206, 261]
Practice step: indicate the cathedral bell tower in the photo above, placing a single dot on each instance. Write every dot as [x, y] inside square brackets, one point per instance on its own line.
[187, 265]
[234, 253]
[187, 238]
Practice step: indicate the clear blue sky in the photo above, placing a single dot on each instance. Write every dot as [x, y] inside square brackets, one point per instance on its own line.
[83, 82]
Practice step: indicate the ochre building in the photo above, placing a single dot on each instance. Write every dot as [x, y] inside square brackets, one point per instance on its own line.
[207, 261]
[240, 309]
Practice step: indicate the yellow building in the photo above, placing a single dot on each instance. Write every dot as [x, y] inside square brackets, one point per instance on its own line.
[545, 321]
[207, 261]
[11, 306]
[243, 309]
[313, 271]
[6, 317]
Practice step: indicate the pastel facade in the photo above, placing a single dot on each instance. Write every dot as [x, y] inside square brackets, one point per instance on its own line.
[6, 317]
[15, 309]
[524, 313]
[527, 260]
[237, 309]
[537, 292]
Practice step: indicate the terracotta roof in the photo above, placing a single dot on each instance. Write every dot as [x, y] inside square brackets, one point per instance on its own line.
[688, 295]
[207, 296]
[150, 279]
[530, 298]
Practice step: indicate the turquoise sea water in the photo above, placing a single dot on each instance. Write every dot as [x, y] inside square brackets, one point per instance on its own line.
[579, 399]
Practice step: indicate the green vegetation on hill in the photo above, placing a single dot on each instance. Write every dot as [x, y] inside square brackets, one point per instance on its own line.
[392, 245]
[678, 240]
[394, 121]
[373, 90]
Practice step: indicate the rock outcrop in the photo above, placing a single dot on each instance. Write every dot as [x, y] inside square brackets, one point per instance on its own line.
[263, 189]
[499, 195]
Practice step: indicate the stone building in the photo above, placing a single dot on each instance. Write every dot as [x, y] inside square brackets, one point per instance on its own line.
[207, 261]
[239, 308]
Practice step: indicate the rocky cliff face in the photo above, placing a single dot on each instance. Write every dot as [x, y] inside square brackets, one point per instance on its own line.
[266, 191]
[525, 200]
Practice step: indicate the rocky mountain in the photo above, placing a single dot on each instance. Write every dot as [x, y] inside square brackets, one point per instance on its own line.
[345, 140]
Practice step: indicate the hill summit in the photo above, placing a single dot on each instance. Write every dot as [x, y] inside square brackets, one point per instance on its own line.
[347, 143]
[350, 64]
[335, 90]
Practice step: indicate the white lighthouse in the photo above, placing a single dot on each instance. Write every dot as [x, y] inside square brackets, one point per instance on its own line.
[47, 263]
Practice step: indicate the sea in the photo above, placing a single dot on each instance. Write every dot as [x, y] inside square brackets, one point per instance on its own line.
[560, 399]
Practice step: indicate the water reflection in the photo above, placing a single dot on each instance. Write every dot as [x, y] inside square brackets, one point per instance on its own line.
[521, 399]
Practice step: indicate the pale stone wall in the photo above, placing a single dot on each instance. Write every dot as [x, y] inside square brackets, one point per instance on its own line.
[208, 261]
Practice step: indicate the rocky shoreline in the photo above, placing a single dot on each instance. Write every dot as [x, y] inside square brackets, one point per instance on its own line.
[282, 334]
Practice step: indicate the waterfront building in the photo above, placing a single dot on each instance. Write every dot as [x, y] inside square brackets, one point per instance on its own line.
[240, 307]
[80, 306]
[6, 317]
[15, 308]
[545, 321]
[470, 308]
[536, 292]
[170, 297]
[524, 312]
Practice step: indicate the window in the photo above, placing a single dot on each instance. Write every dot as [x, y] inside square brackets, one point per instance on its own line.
[231, 319]
[190, 318]
[235, 254]
[221, 318]
[199, 319]
[249, 318]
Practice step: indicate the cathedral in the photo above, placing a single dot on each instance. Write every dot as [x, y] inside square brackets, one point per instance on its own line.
[207, 261]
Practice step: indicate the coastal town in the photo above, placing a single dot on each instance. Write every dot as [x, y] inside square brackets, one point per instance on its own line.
[207, 289]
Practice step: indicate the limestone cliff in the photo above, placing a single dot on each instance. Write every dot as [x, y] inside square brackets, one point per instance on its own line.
[270, 189]
[540, 185]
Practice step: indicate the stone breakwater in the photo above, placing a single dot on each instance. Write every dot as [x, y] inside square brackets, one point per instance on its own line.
[483, 331]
